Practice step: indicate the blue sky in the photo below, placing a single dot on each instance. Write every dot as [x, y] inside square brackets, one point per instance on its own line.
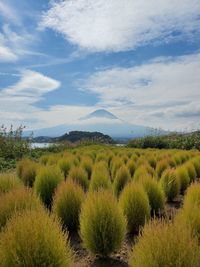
[60, 60]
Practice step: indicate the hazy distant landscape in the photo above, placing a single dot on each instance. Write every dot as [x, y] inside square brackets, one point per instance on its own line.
[99, 133]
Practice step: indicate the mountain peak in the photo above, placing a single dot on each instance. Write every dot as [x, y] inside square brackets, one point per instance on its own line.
[100, 113]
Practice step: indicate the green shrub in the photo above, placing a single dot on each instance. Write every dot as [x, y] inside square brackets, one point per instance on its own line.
[196, 163]
[161, 167]
[122, 178]
[102, 224]
[155, 194]
[15, 201]
[86, 164]
[46, 181]
[8, 181]
[170, 184]
[192, 196]
[27, 171]
[131, 167]
[140, 173]
[166, 245]
[100, 177]
[191, 171]
[33, 238]
[65, 166]
[135, 205]
[116, 163]
[67, 204]
[79, 175]
[183, 177]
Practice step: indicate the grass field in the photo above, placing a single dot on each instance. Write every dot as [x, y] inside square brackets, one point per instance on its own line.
[102, 206]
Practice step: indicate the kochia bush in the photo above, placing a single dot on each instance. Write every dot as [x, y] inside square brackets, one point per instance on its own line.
[17, 200]
[67, 204]
[33, 238]
[102, 223]
[80, 176]
[46, 182]
[135, 205]
[170, 184]
[165, 244]
[8, 181]
[121, 179]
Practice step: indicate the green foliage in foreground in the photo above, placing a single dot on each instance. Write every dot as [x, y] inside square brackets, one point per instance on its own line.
[102, 224]
[32, 239]
[167, 245]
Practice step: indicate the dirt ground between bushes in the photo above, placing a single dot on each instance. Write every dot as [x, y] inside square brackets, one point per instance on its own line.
[119, 258]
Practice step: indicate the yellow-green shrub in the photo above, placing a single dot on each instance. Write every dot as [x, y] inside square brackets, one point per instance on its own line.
[46, 181]
[161, 167]
[86, 164]
[67, 204]
[65, 166]
[79, 175]
[122, 178]
[26, 170]
[17, 200]
[196, 162]
[170, 184]
[102, 224]
[192, 196]
[166, 245]
[131, 167]
[184, 179]
[8, 181]
[135, 205]
[155, 194]
[100, 177]
[191, 171]
[33, 238]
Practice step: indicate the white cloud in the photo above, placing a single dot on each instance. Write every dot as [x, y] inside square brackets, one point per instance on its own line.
[164, 92]
[32, 84]
[6, 54]
[119, 25]
[8, 12]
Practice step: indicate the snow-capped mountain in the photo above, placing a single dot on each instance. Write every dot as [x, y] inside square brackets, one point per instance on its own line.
[102, 121]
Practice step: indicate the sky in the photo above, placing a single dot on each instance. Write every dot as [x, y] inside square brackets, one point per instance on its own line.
[60, 60]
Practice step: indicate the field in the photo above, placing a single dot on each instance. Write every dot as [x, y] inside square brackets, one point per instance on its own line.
[102, 206]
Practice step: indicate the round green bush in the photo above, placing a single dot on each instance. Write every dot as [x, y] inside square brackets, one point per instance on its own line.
[32, 239]
[102, 223]
[17, 200]
[135, 205]
[161, 166]
[46, 181]
[183, 177]
[87, 164]
[165, 244]
[196, 162]
[65, 166]
[100, 177]
[131, 167]
[170, 184]
[8, 181]
[67, 204]
[27, 170]
[192, 196]
[155, 194]
[121, 179]
[79, 175]
[191, 171]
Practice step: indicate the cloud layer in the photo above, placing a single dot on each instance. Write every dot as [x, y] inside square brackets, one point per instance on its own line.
[163, 92]
[118, 25]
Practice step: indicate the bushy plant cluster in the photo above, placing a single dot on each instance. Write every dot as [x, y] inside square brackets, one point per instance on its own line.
[101, 193]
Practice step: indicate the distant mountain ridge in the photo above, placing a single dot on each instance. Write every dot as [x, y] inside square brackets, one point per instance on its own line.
[101, 121]
[75, 136]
